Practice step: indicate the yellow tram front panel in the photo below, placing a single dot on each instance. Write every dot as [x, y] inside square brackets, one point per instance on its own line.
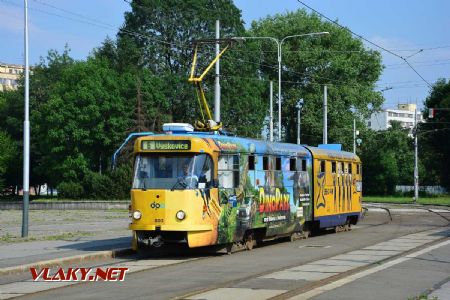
[158, 207]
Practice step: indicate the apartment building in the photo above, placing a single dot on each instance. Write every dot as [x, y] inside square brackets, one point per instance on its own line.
[404, 113]
[9, 76]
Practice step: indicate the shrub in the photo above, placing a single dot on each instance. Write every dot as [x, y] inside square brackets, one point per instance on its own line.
[70, 190]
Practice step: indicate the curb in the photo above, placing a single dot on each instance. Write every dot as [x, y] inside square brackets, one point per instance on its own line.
[65, 205]
[70, 259]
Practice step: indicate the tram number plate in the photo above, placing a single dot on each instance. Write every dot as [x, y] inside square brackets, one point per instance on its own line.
[159, 220]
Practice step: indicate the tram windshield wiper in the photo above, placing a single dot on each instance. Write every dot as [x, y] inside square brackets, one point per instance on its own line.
[180, 182]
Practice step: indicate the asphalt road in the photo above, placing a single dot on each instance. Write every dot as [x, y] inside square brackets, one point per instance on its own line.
[255, 270]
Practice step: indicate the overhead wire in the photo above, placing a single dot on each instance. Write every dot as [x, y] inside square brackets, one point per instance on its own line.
[366, 40]
[94, 22]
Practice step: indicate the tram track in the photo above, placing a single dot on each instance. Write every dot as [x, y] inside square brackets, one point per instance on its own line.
[330, 279]
[195, 287]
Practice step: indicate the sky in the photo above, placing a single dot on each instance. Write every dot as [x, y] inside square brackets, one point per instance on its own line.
[402, 26]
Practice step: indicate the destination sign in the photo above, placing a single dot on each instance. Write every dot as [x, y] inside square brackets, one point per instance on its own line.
[166, 145]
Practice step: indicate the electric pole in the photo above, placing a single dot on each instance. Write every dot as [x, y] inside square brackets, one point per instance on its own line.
[325, 133]
[271, 113]
[416, 160]
[26, 135]
[217, 79]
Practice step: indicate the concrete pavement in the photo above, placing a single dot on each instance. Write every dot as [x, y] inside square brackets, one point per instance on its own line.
[56, 237]
[109, 234]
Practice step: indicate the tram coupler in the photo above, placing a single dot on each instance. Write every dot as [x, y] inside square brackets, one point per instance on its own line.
[156, 241]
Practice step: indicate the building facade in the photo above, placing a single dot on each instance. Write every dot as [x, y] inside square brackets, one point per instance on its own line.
[9, 76]
[404, 114]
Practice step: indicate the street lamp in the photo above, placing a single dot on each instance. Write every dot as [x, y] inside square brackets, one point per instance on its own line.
[299, 108]
[279, 45]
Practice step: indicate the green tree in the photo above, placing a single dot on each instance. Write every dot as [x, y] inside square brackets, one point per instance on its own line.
[388, 160]
[156, 37]
[337, 60]
[83, 120]
[434, 135]
[7, 150]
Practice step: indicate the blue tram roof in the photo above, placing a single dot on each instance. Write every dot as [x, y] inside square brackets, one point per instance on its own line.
[246, 144]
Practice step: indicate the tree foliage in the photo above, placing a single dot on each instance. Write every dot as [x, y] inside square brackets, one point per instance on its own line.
[434, 135]
[7, 150]
[157, 37]
[82, 110]
[388, 160]
[308, 63]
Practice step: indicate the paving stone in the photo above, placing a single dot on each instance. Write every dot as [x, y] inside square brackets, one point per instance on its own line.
[237, 293]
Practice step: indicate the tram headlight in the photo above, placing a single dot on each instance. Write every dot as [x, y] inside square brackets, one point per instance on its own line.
[137, 215]
[181, 215]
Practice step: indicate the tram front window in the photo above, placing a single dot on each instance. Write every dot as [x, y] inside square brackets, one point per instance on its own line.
[172, 171]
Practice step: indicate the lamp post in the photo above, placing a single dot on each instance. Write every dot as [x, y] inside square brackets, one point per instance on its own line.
[279, 45]
[299, 109]
[416, 160]
[26, 133]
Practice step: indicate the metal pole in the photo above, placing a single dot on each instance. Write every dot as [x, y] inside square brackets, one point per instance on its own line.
[271, 113]
[279, 92]
[26, 136]
[217, 82]
[325, 133]
[298, 125]
[416, 160]
[354, 135]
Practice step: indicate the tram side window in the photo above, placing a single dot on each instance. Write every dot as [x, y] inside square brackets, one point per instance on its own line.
[301, 164]
[278, 163]
[350, 168]
[292, 164]
[228, 171]
[265, 163]
[333, 167]
[251, 162]
[358, 169]
[322, 167]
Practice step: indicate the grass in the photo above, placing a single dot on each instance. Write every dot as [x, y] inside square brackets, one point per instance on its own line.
[9, 238]
[443, 200]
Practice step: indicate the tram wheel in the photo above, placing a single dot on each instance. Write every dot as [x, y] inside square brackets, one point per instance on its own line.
[249, 242]
[306, 234]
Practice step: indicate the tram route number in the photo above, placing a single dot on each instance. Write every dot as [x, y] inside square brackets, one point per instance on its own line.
[159, 220]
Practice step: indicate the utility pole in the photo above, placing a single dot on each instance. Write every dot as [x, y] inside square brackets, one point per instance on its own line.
[271, 113]
[299, 109]
[26, 135]
[416, 160]
[298, 126]
[217, 81]
[354, 136]
[325, 133]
